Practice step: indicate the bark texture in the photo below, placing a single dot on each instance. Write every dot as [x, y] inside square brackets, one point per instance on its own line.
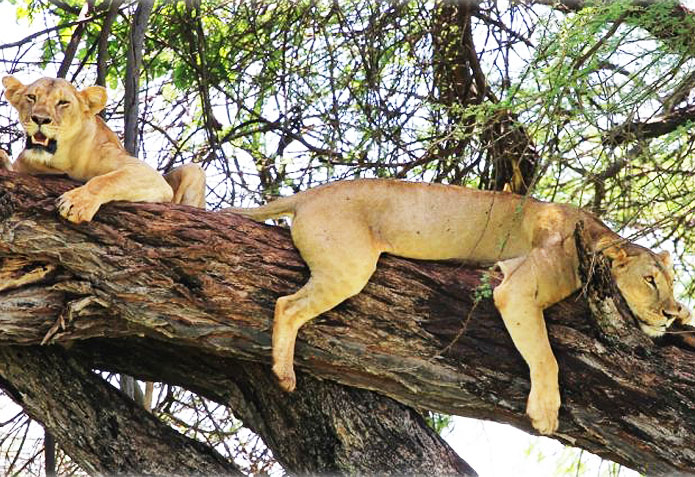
[323, 427]
[203, 285]
[91, 419]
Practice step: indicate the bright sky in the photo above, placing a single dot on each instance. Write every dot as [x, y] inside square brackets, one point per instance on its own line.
[493, 450]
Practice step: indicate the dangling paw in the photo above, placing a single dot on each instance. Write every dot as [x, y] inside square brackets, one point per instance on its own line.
[543, 408]
[286, 376]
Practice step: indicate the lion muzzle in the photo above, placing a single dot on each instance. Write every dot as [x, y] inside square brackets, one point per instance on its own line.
[40, 141]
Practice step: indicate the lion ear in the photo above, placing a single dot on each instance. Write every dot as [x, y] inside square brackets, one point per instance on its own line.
[12, 89]
[611, 248]
[665, 258]
[95, 97]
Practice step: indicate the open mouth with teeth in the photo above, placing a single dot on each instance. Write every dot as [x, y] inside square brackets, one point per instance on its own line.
[40, 141]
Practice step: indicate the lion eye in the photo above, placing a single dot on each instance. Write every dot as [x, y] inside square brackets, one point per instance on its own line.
[31, 98]
[650, 279]
[63, 102]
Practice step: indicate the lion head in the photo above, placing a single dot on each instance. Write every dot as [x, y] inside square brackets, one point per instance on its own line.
[52, 111]
[645, 279]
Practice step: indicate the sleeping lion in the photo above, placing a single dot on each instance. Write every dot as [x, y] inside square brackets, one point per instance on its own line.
[65, 135]
[341, 229]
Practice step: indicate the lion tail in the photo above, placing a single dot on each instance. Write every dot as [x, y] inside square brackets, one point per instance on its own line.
[283, 207]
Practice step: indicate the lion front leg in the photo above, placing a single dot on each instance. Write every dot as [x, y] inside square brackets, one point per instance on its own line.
[134, 182]
[515, 298]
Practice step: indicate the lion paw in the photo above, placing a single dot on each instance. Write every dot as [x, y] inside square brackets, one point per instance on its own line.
[286, 377]
[78, 205]
[5, 162]
[542, 409]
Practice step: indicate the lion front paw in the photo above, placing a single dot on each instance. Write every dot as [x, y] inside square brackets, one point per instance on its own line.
[78, 205]
[286, 376]
[542, 409]
[5, 161]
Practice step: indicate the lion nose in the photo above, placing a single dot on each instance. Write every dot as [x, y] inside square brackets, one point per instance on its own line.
[684, 312]
[680, 312]
[40, 120]
[671, 315]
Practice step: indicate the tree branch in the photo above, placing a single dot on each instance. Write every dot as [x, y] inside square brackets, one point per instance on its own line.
[655, 127]
[132, 79]
[71, 49]
[677, 38]
[103, 42]
[206, 281]
[62, 26]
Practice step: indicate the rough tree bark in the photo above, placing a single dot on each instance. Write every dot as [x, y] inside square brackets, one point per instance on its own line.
[147, 278]
[90, 418]
[323, 427]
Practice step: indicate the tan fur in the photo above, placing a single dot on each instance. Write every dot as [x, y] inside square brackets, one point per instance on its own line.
[341, 229]
[53, 111]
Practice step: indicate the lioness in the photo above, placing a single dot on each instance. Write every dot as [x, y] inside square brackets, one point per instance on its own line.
[341, 229]
[64, 135]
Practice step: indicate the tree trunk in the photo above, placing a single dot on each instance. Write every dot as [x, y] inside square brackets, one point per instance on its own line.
[203, 285]
[460, 82]
[323, 427]
[101, 429]
[132, 76]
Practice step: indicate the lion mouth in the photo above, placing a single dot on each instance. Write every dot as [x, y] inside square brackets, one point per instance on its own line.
[40, 139]
[653, 331]
[42, 142]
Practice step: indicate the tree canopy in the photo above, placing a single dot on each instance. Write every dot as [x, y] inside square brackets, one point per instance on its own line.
[584, 102]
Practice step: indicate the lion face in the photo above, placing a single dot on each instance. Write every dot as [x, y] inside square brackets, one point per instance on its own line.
[645, 280]
[51, 112]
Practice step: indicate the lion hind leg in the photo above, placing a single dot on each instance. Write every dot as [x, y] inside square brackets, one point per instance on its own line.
[327, 287]
[188, 183]
[516, 300]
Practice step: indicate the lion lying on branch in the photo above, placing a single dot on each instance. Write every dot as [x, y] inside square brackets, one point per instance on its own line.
[341, 229]
[65, 135]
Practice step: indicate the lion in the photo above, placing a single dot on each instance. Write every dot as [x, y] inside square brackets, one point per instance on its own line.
[65, 135]
[341, 229]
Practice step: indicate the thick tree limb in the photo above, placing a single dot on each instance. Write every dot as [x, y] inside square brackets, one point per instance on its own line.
[208, 281]
[102, 430]
[321, 428]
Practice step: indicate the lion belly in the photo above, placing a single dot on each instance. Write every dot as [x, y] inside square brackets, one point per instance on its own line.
[416, 220]
[470, 229]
